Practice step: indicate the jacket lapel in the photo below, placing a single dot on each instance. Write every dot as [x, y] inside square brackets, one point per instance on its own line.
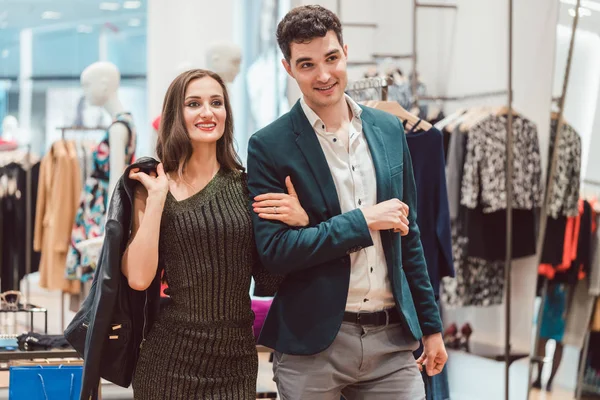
[311, 149]
[380, 160]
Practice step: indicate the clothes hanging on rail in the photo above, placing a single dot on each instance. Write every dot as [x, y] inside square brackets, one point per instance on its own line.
[565, 191]
[90, 216]
[59, 190]
[475, 169]
[13, 217]
[433, 217]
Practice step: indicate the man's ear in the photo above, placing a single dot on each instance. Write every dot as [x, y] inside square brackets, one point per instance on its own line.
[287, 66]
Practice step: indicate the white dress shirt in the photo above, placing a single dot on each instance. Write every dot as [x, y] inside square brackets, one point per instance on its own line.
[351, 166]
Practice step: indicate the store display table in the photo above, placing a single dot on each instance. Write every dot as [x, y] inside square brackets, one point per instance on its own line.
[28, 308]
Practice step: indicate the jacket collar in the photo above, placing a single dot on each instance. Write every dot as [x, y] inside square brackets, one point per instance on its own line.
[121, 201]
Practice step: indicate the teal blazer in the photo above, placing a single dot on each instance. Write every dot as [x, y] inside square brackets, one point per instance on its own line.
[308, 308]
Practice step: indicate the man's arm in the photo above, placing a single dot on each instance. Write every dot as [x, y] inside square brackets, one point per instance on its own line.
[413, 259]
[283, 249]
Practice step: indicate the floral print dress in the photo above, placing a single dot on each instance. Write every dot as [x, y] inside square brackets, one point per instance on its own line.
[91, 214]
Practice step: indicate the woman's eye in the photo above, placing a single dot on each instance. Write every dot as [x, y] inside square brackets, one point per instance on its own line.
[217, 103]
[193, 104]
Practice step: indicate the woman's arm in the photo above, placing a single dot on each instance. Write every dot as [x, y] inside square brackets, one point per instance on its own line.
[140, 260]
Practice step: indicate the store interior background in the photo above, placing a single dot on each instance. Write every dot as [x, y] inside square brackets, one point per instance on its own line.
[44, 46]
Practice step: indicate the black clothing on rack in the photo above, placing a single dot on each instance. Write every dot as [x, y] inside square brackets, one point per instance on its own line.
[13, 217]
[433, 216]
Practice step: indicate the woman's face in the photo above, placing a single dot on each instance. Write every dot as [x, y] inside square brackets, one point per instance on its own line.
[204, 110]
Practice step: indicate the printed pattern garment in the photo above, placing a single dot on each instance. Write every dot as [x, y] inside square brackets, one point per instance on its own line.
[202, 345]
[89, 220]
[484, 176]
[478, 282]
[565, 190]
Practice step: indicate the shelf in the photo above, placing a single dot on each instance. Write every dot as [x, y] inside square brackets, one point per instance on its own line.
[30, 355]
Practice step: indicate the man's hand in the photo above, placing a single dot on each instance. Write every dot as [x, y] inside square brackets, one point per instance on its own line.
[390, 214]
[434, 355]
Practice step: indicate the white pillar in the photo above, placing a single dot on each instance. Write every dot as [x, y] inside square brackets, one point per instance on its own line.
[25, 83]
[179, 33]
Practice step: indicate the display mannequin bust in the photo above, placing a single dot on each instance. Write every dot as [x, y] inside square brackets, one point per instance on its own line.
[100, 82]
[224, 58]
[10, 128]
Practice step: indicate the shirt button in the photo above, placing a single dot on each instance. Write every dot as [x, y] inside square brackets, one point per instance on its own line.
[371, 269]
[353, 168]
[359, 202]
[334, 139]
[365, 300]
[323, 126]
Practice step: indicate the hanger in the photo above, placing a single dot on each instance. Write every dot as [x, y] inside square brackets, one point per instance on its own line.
[397, 110]
[478, 115]
[503, 110]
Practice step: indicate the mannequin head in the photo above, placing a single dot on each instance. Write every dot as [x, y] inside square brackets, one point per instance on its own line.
[100, 82]
[224, 59]
[10, 126]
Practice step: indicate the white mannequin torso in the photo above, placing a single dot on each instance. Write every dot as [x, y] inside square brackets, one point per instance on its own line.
[100, 82]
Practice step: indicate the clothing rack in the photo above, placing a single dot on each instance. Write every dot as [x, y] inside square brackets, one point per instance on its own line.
[549, 187]
[63, 130]
[582, 363]
[472, 96]
[370, 83]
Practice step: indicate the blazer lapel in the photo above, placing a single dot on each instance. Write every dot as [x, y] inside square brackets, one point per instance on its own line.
[380, 160]
[311, 149]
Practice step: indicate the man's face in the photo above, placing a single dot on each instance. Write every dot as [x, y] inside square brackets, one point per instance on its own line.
[319, 68]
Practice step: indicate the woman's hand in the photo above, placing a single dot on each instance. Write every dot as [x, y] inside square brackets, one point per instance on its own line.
[281, 207]
[156, 183]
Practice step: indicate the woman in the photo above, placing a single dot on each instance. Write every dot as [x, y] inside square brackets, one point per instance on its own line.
[192, 219]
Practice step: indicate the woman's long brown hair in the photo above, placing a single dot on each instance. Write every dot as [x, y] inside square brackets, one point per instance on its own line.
[173, 147]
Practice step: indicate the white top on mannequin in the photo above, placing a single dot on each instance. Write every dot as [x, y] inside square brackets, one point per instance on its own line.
[10, 128]
[224, 58]
[100, 82]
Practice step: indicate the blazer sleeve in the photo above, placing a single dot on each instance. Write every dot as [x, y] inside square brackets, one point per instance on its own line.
[413, 259]
[283, 249]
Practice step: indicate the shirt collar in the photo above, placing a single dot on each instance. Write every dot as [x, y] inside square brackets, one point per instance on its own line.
[317, 123]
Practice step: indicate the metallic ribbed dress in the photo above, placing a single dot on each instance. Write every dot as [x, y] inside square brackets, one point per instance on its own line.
[202, 345]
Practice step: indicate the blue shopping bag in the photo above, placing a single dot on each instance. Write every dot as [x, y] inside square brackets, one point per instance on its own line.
[45, 382]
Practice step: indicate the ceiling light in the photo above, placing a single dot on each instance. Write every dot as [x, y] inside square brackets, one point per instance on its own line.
[134, 22]
[583, 12]
[84, 29]
[132, 4]
[50, 15]
[592, 5]
[5, 53]
[109, 6]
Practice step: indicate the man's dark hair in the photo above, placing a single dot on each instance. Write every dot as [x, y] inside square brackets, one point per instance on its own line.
[303, 24]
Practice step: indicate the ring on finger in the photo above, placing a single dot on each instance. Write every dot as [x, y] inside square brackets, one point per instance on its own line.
[275, 209]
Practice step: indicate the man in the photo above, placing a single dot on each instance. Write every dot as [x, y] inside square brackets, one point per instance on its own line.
[356, 297]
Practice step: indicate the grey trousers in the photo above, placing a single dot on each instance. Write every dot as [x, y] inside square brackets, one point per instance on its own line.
[363, 362]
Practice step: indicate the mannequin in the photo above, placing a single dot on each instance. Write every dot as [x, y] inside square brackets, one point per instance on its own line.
[100, 82]
[10, 128]
[224, 59]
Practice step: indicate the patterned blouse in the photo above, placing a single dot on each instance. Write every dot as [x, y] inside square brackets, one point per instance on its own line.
[565, 189]
[484, 174]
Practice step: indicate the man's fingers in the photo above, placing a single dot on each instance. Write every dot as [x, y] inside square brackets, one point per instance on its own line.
[273, 217]
[290, 187]
[271, 210]
[270, 196]
[430, 365]
[268, 203]
[420, 361]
